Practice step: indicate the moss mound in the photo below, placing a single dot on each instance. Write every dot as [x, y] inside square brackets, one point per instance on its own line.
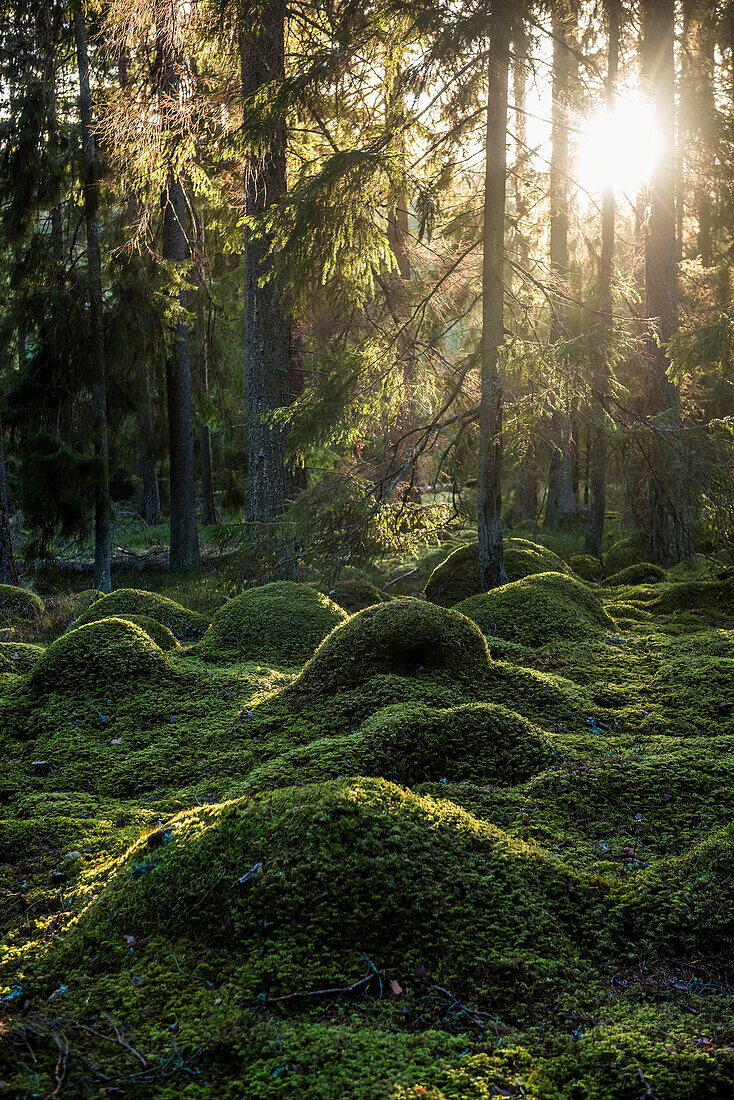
[18, 657]
[478, 742]
[404, 637]
[642, 573]
[160, 634]
[457, 578]
[687, 903]
[587, 567]
[19, 603]
[300, 885]
[354, 596]
[711, 597]
[411, 743]
[280, 623]
[538, 609]
[185, 625]
[109, 654]
[627, 551]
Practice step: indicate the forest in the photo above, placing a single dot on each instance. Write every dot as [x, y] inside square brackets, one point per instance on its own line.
[367, 549]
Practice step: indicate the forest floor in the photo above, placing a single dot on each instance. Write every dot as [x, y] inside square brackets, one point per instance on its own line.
[443, 854]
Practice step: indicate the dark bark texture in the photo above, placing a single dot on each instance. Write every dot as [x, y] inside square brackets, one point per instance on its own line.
[267, 338]
[184, 553]
[561, 498]
[102, 504]
[598, 456]
[668, 521]
[489, 490]
[8, 569]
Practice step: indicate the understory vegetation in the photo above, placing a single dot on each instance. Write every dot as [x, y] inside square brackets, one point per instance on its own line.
[399, 850]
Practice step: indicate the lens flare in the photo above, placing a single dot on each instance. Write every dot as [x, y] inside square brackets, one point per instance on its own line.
[619, 150]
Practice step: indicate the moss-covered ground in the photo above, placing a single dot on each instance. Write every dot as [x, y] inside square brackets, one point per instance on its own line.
[430, 856]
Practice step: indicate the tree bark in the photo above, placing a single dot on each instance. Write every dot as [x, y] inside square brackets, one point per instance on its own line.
[184, 552]
[561, 498]
[8, 568]
[669, 533]
[489, 492]
[598, 457]
[267, 336]
[102, 504]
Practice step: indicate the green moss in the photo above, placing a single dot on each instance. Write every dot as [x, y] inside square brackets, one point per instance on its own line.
[586, 567]
[19, 603]
[627, 551]
[185, 625]
[111, 654]
[457, 578]
[539, 609]
[710, 597]
[18, 657]
[160, 634]
[407, 637]
[280, 623]
[355, 595]
[300, 885]
[642, 573]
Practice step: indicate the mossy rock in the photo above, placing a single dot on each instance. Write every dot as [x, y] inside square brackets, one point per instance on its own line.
[539, 609]
[160, 634]
[19, 603]
[354, 596]
[709, 597]
[18, 657]
[340, 870]
[279, 623]
[413, 743]
[625, 552]
[457, 578]
[587, 567]
[642, 573]
[405, 637]
[478, 743]
[185, 625]
[111, 654]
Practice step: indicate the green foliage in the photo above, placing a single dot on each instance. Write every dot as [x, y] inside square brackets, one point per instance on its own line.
[280, 623]
[539, 609]
[19, 603]
[185, 625]
[457, 578]
[18, 657]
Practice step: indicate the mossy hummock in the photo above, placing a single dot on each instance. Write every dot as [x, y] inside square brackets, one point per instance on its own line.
[587, 567]
[538, 610]
[19, 603]
[642, 573]
[280, 623]
[18, 657]
[404, 637]
[355, 595]
[185, 625]
[457, 578]
[109, 655]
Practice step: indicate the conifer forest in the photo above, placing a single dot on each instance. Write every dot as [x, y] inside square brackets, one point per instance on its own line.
[367, 549]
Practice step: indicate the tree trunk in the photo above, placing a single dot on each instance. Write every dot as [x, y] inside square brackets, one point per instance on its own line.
[150, 490]
[267, 336]
[489, 493]
[561, 498]
[102, 505]
[598, 457]
[8, 570]
[669, 533]
[698, 116]
[209, 507]
[184, 552]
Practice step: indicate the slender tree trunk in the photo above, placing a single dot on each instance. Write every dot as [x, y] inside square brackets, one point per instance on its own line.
[561, 498]
[184, 552]
[150, 489]
[267, 337]
[209, 508]
[102, 504]
[598, 457]
[669, 532]
[8, 569]
[489, 494]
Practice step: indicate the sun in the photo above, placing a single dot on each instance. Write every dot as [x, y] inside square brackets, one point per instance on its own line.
[619, 150]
